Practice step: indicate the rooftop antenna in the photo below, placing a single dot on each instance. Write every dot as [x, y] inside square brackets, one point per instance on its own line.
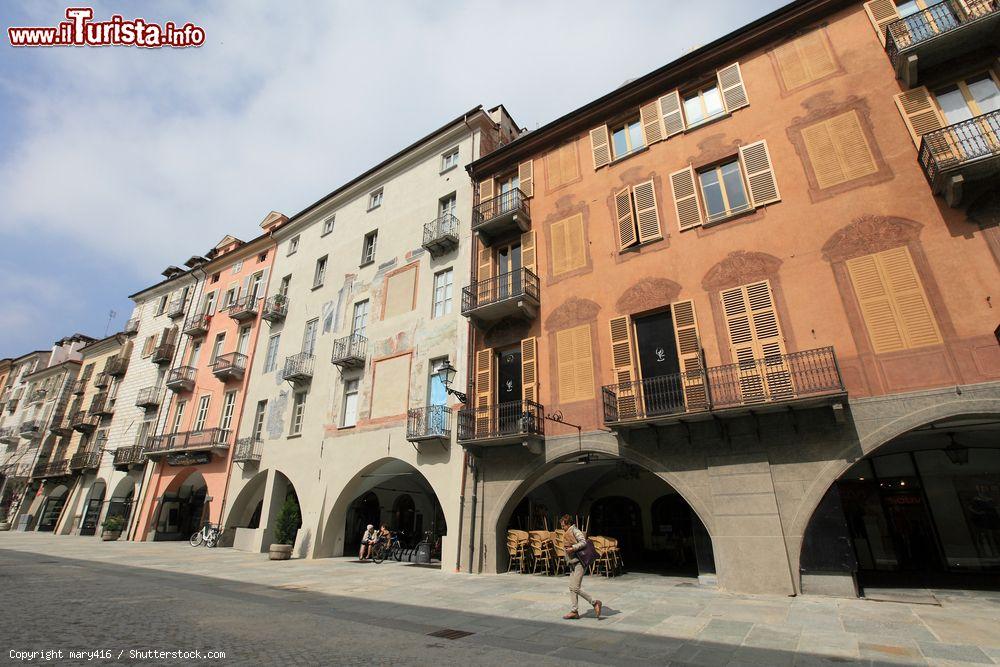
[111, 316]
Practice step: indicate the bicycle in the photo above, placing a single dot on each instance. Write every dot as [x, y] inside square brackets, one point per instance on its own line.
[209, 535]
[391, 549]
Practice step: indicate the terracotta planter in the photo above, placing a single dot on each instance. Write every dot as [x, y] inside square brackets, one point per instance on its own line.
[111, 535]
[4, 525]
[280, 552]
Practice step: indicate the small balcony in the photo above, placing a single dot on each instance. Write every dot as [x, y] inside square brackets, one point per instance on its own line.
[163, 353]
[37, 396]
[188, 441]
[248, 450]
[507, 212]
[16, 470]
[197, 324]
[84, 422]
[127, 457]
[46, 469]
[148, 397]
[514, 294]
[30, 429]
[275, 308]
[79, 387]
[117, 366]
[9, 435]
[230, 366]
[350, 351]
[181, 379]
[131, 327]
[102, 405]
[89, 460]
[244, 309]
[940, 33]
[429, 424]
[515, 422]
[60, 422]
[102, 380]
[777, 383]
[299, 368]
[965, 151]
[176, 308]
[441, 235]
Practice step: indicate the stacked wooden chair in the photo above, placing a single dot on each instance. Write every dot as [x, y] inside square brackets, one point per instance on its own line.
[517, 550]
[542, 552]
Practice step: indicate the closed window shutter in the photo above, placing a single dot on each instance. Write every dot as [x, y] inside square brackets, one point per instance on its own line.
[484, 391]
[689, 354]
[529, 370]
[755, 342]
[919, 112]
[893, 304]
[623, 367]
[759, 173]
[881, 13]
[600, 146]
[682, 183]
[526, 177]
[838, 150]
[528, 251]
[568, 251]
[649, 116]
[804, 60]
[734, 94]
[126, 352]
[647, 215]
[575, 360]
[625, 219]
[486, 287]
[670, 110]
[486, 190]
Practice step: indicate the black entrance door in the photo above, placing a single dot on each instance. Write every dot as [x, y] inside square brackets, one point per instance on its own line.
[50, 513]
[89, 525]
[661, 385]
[509, 389]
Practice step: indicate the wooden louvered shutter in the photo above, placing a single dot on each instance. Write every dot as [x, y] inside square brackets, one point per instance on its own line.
[756, 345]
[486, 288]
[689, 354]
[759, 173]
[734, 93]
[529, 370]
[600, 146]
[623, 367]
[126, 352]
[881, 13]
[484, 392]
[567, 243]
[670, 109]
[575, 361]
[528, 258]
[838, 150]
[486, 190]
[625, 220]
[526, 178]
[652, 128]
[647, 216]
[919, 112]
[685, 192]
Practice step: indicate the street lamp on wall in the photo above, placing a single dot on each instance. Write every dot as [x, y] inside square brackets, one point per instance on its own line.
[446, 373]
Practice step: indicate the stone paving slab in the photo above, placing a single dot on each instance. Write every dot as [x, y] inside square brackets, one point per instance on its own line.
[662, 620]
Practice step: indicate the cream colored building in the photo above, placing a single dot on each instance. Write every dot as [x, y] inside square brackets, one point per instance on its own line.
[343, 408]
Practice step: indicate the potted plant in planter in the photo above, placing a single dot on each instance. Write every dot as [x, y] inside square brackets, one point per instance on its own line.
[113, 526]
[286, 526]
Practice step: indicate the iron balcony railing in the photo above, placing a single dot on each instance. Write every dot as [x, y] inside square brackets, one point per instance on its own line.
[176, 307]
[230, 365]
[79, 386]
[10, 435]
[275, 308]
[163, 353]
[117, 366]
[30, 428]
[197, 324]
[512, 201]
[248, 449]
[102, 380]
[18, 470]
[181, 378]
[132, 326]
[299, 367]
[60, 421]
[148, 397]
[773, 379]
[89, 460]
[938, 19]
[37, 396]
[58, 468]
[513, 285]
[960, 144]
[205, 439]
[431, 422]
[102, 405]
[84, 422]
[441, 234]
[501, 420]
[245, 308]
[128, 456]
[350, 351]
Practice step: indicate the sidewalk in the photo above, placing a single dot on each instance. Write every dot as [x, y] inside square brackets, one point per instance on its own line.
[648, 617]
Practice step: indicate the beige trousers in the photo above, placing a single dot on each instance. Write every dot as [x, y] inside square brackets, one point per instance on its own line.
[575, 579]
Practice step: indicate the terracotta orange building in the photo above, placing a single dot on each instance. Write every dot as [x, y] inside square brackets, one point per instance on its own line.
[761, 280]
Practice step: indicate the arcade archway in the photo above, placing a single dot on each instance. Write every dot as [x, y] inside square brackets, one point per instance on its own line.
[123, 498]
[182, 509]
[52, 508]
[92, 508]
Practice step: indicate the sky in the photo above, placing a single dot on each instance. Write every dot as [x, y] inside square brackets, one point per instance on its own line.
[117, 162]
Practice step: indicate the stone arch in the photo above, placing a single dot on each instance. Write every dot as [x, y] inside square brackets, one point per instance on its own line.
[245, 503]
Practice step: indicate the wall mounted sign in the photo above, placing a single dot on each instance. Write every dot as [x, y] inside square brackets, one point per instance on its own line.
[188, 459]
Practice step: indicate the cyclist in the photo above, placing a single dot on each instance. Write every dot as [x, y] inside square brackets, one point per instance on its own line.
[367, 542]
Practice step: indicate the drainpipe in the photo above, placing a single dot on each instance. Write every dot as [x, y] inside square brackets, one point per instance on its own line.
[472, 514]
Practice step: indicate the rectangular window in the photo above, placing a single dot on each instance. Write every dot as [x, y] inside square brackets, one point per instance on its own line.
[627, 137]
[228, 404]
[375, 199]
[237, 267]
[271, 358]
[723, 191]
[147, 347]
[293, 245]
[638, 219]
[283, 286]
[162, 305]
[215, 278]
[140, 438]
[327, 226]
[199, 420]
[703, 105]
[359, 323]
[449, 159]
[243, 341]
[262, 257]
[195, 351]
[442, 292]
[220, 341]
[309, 336]
[209, 306]
[258, 419]
[350, 416]
[228, 298]
[298, 411]
[368, 248]
[178, 415]
[320, 274]
[447, 205]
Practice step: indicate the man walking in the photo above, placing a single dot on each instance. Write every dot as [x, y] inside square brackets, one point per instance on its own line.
[575, 542]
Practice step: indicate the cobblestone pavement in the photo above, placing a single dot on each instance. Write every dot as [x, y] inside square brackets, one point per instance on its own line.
[79, 593]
